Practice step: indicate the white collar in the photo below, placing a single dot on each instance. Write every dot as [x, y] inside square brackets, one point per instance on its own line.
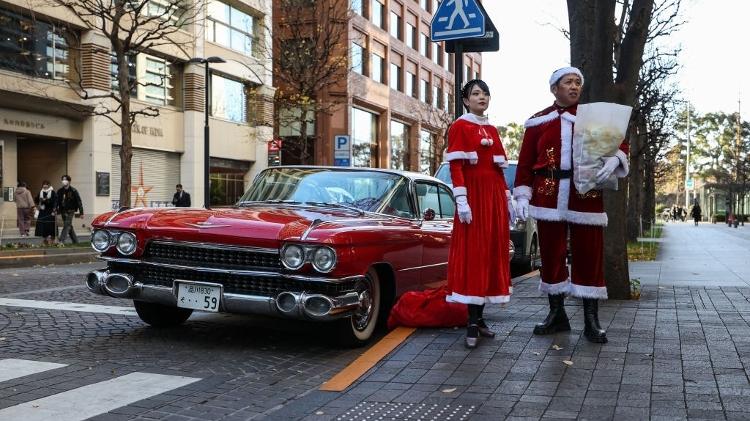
[473, 118]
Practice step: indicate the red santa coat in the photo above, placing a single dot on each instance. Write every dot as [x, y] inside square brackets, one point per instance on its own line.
[478, 269]
[548, 144]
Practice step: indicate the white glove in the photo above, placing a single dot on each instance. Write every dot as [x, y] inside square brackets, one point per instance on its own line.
[610, 165]
[522, 208]
[464, 211]
[511, 211]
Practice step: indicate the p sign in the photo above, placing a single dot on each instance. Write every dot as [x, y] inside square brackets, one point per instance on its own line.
[342, 151]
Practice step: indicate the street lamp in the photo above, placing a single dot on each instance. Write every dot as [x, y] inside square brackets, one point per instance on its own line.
[206, 142]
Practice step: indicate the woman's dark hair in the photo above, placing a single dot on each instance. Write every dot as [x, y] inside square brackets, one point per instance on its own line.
[466, 91]
[46, 183]
[21, 184]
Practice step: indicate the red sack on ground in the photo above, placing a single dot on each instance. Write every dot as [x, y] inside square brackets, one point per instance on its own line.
[427, 308]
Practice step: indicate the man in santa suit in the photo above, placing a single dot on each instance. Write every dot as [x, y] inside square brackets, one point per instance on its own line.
[544, 191]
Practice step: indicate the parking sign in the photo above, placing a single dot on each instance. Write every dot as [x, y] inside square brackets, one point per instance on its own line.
[342, 151]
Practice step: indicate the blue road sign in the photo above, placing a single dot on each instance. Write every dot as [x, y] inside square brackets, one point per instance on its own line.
[457, 19]
[342, 151]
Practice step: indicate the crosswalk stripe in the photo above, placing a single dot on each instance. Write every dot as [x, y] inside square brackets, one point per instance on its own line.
[12, 368]
[58, 305]
[95, 399]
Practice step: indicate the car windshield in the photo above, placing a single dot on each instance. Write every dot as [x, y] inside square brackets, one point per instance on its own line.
[371, 191]
[444, 175]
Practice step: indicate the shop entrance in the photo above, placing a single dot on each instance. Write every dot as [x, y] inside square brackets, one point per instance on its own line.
[41, 159]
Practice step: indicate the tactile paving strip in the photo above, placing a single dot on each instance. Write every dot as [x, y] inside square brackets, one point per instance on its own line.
[373, 411]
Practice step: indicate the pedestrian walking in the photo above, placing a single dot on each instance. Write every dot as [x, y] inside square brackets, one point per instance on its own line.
[46, 202]
[544, 191]
[478, 263]
[24, 208]
[69, 206]
[696, 213]
[181, 198]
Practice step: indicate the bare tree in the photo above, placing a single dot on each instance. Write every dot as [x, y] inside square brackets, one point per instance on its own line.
[437, 121]
[311, 66]
[132, 27]
[607, 41]
[512, 137]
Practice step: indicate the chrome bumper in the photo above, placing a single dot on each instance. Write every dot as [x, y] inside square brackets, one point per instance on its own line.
[298, 305]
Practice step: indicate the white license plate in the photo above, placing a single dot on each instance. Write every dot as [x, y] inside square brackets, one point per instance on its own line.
[198, 296]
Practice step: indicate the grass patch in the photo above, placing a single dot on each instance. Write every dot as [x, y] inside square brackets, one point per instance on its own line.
[639, 251]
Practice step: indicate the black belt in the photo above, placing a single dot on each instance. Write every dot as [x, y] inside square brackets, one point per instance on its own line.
[555, 173]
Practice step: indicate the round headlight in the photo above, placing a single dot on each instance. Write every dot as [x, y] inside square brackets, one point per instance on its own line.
[126, 243]
[324, 259]
[100, 240]
[293, 256]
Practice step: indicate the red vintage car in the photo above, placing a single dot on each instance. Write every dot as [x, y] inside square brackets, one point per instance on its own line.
[317, 243]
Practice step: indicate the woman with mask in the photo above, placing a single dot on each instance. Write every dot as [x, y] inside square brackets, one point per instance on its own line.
[45, 221]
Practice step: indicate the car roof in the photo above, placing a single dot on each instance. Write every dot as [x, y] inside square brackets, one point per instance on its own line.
[408, 174]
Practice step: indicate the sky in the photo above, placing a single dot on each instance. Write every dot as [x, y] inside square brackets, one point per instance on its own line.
[713, 59]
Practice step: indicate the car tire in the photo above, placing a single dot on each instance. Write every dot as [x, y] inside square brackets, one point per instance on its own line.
[158, 315]
[358, 329]
[533, 254]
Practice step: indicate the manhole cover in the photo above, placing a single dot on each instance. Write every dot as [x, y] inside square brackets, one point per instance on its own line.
[372, 411]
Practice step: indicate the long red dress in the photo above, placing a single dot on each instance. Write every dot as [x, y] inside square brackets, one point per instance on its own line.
[478, 264]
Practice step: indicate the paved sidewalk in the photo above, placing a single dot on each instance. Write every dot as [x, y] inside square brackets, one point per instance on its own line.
[681, 352]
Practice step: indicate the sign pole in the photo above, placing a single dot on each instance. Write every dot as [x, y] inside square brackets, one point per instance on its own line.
[458, 72]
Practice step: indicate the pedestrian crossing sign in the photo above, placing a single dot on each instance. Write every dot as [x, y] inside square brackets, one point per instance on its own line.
[457, 19]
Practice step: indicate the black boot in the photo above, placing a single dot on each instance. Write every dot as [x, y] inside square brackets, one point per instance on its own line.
[472, 330]
[484, 330]
[592, 331]
[557, 320]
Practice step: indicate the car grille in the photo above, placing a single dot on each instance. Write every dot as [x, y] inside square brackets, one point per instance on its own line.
[213, 257]
[267, 286]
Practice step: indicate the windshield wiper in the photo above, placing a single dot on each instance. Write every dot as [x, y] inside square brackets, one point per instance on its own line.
[264, 202]
[339, 205]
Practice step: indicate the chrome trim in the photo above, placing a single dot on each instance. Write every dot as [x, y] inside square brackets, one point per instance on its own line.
[97, 286]
[312, 226]
[129, 291]
[335, 258]
[216, 246]
[283, 262]
[117, 245]
[109, 240]
[422, 267]
[232, 271]
[206, 224]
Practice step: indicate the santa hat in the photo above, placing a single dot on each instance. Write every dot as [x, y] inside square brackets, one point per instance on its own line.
[559, 73]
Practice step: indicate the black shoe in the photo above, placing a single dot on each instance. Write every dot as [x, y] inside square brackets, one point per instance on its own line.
[484, 330]
[592, 330]
[472, 336]
[557, 319]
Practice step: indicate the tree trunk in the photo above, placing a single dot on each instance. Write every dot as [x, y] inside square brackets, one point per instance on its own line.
[592, 48]
[126, 151]
[303, 158]
[649, 196]
[634, 183]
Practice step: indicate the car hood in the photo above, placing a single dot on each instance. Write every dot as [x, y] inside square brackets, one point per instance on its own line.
[266, 224]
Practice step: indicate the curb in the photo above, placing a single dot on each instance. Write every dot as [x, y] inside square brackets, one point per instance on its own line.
[39, 257]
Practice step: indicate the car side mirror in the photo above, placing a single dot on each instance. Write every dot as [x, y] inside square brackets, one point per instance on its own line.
[428, 214]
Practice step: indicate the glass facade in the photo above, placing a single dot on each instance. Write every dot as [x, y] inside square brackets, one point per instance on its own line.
[376, 14]
[411, 36]
[364, 138]
[228, 99]
[395, 77]
[34, 47]
[230, 27]
[151, 79]
[358, 54]
[395, 26]
[376, 68]
[411, 84]
[399, 146]
[226, 188]
[427, 152]
[357, 7]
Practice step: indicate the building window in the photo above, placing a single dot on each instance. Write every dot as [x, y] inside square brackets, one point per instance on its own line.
[423, 41]
[467, 73]
[357, 7]
[395, 28]
[447, 99]
[411, 36]
[395, 77]
[132, 74]
[364, 139]
[228, 99]
[376, 14]
[231, 28]
[358, 54]
[411, 84]
[437, 96]
[33, 47]
[424, 92]
[425, 4]
[447, 62]
[376, 68]
[158, 86]
[437, 53]
[399, 146]
[426, 152]
[226, 188]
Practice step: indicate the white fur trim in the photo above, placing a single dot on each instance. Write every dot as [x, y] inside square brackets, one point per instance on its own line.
[562, 287]
[587, 218]
[522, 192]
[624, 167]
[581, 291]
[459, 191]
[545, 214]
[536, 121]
[500, 160]
[471, 156]
[471, 299]
[473, 118]
[559, 73]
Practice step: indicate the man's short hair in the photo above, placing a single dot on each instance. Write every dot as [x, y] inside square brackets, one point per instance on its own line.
[179, 185]
[65, 177]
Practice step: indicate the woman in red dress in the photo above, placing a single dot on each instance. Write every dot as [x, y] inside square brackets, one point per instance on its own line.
[478, 269]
